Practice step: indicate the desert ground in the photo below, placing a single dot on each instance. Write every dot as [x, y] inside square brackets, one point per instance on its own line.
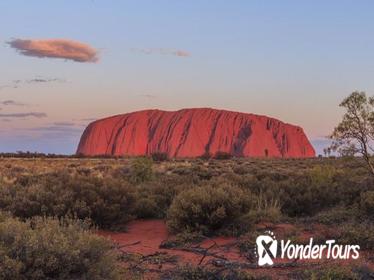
[144, 218]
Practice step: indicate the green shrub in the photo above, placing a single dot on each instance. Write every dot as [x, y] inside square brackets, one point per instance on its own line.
[183, 239]
[266, 209]
[206, 156]
[189, 272]
[202, 173]
[155, 197]
[53, 249]
[141, 170]
[310, 193]
[367, 203]
[147, 207]
[159, 156]
[222, 155]
[208, 208]
[336, 215]
[322, 175]
[330, 273]
[106, 201]
[358, 233]
[241, 170]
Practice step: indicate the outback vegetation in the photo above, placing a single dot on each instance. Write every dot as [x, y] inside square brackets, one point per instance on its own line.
[53, 208]
[47, 248]
[199, 199]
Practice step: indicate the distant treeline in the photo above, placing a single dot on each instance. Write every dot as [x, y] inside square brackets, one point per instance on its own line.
[28, 154]
[156, 156]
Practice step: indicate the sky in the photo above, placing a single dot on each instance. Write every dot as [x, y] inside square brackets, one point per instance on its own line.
[66, 63]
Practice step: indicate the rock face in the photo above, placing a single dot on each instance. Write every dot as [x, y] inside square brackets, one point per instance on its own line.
[193, 133]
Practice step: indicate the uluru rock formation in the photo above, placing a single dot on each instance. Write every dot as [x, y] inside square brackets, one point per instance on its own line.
[193, 133]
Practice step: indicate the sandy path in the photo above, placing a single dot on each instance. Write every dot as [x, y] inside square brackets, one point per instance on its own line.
[145, 237]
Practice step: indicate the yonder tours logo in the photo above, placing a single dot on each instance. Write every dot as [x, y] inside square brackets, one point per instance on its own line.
[268, 249]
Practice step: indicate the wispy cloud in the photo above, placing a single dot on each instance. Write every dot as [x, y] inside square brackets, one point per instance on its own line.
[12, 103]
[36, 80]
[44, 80]
[24, 115]
[56, 48]
[12, 85]
[162, 51]
[58, 129]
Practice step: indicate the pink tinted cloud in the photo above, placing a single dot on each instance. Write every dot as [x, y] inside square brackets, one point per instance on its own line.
[56, 48]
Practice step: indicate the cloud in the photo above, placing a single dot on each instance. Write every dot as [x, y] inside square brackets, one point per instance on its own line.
[56, 129]
[8, 86]
[24, 115]
[44, 80]
[12, 103]
[162, 51]
[56, 48]
[37, 80]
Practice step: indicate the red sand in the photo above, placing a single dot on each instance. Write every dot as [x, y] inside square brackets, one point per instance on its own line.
[151, 233]
[193, 133]
[144, 238]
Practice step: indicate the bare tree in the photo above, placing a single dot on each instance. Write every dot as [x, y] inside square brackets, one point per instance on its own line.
[354, 135]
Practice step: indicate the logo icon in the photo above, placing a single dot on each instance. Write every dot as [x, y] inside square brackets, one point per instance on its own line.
[266, 248]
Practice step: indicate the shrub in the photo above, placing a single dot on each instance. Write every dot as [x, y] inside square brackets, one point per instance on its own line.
[159, 156]
[183, 239]
[141, 170]
[336, 215]
[53, 249]
[367, 203]
[147, 207]
[222, 155]
[154, 198]
[358, 233]
[241, 170]
[208, 208]
[189, 272]
[206, 156]
[322, 175]
[310, 193]
[202, 173]
[330, 273]
[106, 201]
[266, 209]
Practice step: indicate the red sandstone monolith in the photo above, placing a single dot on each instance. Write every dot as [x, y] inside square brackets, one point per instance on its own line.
[193, 133]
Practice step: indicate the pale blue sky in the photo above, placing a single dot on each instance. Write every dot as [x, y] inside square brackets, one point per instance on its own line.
[293, 60]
